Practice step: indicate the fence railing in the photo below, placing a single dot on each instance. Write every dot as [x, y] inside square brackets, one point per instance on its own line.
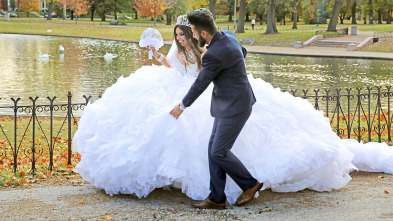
[361, 114]
[27, 138]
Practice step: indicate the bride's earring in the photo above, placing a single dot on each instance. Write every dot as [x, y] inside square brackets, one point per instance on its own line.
[190, 40]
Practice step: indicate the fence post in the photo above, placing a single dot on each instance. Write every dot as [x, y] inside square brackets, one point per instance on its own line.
[15, 131]
[51, 148]
[379, 113]
[338, 105]
[369, 113]
[349, 113]
[69, 126]
[327, 103]
[33, 138]
[359, 113]
[388, 124]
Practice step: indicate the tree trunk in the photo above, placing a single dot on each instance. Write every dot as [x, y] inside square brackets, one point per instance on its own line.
[271, 21]
[168, 19]
[294, 26]
[92, 12]
[18, 9]
[342, 19]
[115, 10]
[283, 18]
[64, 12]
[240, 24]
[4, 4]
[28, 14]
[389, 19]
[50, 10]
[336, 11]
[212, 7]
[370, 12]
[247, 15]
[72, 15]
[380, 14]
[354, 13]
[103, 14]
[136, 15]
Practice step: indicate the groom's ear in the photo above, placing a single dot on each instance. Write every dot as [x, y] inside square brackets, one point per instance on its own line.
[203, 34]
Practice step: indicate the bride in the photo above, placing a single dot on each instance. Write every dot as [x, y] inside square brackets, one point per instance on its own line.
[130, 144]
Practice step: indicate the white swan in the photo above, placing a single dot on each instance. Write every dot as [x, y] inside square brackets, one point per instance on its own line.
[109, 56]
[61, 48]
[44, 56]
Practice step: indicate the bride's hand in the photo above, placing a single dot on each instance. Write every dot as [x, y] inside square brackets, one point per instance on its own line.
[155, 52]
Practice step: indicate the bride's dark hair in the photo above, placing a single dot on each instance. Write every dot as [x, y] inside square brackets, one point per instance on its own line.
[194, 44]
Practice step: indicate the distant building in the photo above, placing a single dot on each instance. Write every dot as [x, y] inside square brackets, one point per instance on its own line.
[42, 5]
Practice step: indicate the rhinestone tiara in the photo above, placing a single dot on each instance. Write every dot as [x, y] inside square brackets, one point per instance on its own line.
[182, 20]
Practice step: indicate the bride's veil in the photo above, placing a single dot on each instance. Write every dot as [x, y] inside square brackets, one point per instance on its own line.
[172, 55]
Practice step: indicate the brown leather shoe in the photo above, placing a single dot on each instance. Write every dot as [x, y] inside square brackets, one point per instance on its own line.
[248, 194]
[208, 204]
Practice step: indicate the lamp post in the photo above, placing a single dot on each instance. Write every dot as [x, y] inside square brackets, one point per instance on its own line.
[234, 26]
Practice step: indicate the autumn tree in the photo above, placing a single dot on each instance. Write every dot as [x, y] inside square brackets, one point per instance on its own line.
[334, 18]
[271, 17]
[79, 7]
[242, 10]
[176, 7]
[194, 4]
[152, 8]
[212, 7]
[29, 6]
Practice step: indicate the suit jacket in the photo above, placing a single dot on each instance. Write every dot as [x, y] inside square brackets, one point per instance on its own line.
[223, 64]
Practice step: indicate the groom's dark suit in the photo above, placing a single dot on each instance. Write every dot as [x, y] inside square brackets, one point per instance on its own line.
[232, 100]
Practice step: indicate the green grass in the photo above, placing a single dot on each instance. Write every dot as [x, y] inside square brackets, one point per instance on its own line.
[132, 30]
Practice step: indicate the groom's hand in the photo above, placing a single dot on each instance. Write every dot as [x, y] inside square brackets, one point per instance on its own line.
[176, 112]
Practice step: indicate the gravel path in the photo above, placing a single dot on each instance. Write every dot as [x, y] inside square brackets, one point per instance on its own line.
[364, 198]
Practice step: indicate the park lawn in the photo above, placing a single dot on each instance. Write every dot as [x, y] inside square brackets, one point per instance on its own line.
[117, 33]
[133, 33]
[132, 30]
[384, 46]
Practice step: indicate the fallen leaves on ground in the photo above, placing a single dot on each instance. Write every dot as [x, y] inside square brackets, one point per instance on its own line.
[108, 217]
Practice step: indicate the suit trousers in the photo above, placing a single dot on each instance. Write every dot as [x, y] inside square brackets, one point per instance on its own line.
[222, 161]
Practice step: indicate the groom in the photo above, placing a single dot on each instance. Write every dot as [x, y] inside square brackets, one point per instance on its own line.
[231, 105]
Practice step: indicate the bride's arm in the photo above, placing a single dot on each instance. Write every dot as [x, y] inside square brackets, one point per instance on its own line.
[160, 58]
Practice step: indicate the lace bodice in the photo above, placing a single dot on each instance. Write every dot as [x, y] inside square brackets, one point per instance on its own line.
[192, 69]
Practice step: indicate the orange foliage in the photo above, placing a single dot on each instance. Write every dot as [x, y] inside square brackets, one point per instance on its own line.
[152, 8]
[29, 6]
[80, 7]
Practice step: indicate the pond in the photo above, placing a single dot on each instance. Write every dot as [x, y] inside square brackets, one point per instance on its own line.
[83, 70]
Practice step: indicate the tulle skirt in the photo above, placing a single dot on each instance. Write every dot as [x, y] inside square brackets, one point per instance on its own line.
[130, 143]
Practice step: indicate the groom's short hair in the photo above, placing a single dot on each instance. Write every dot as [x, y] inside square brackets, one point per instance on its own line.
[203, 20]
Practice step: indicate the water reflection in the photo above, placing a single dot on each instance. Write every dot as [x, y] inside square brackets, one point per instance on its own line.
[290, 72]
[82, 68]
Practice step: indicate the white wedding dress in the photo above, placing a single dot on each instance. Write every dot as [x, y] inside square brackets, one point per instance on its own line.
[131, 144]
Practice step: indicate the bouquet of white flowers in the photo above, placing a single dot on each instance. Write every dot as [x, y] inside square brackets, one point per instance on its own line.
[152, 38]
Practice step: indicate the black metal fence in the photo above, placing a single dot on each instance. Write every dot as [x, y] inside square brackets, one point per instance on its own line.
[361, 114]
[12, 141]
